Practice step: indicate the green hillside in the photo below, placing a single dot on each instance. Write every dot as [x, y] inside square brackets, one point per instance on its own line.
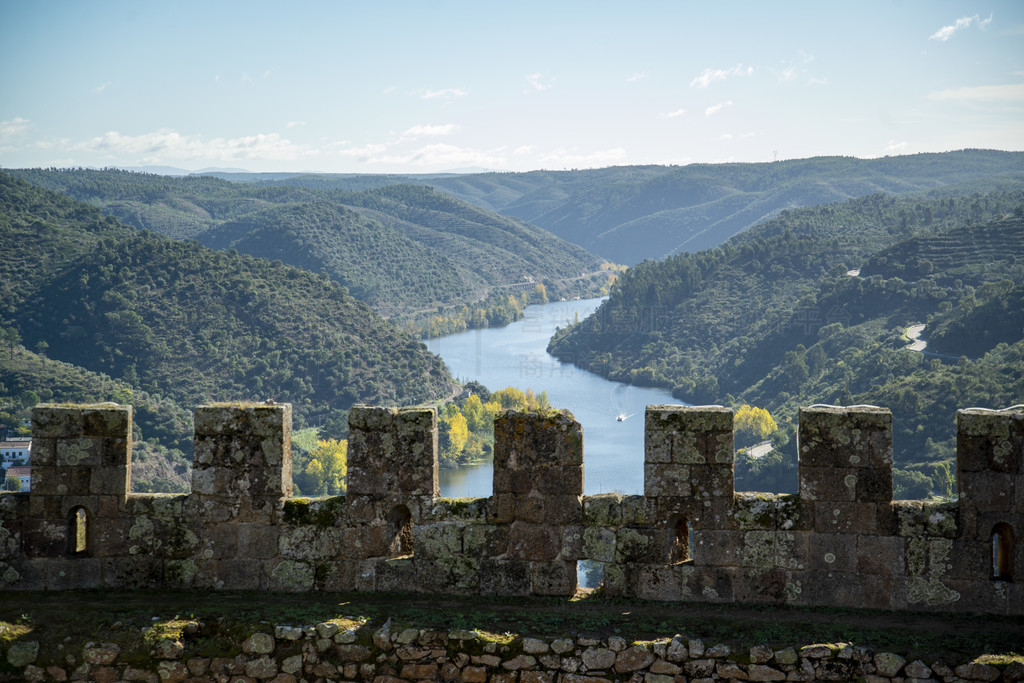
[162, 430]
[631, 213]
[183, 322]
[406, 251]
[773, 318]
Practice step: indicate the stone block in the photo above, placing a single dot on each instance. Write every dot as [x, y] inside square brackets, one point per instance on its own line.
[666, 480]
[709, 584]
[572, 543]
[599, 544]
[712, 481]
[990, 439]
[59, 422]
[111, 421]
[642, 545]
[530, 508]
[132, 572]
[846, 518]
[717, 548]
[766, 586]
[833, 553]
[563, 510]
[880, 555]
[554, 578]
[662, 582]
[259, 541]
[533, 542]
[505, 577]
[484, 540]
[604, 509]
[290, 576]
[337, 576]
[638, 511]
[831, 436]
[986, 491]
[396, 576]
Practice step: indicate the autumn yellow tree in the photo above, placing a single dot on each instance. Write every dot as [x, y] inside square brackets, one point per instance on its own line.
[327, 467]
[752, 425]
[473, 411]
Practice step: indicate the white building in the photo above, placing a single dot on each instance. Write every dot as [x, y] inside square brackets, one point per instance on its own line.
[15, 452]
[22, 473]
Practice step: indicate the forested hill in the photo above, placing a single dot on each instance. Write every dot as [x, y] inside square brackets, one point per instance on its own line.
[400, 249]
[182, 321]
[630, 213]
[778, 317]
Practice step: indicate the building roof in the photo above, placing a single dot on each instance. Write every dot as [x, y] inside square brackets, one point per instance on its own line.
[19, 471]
[16, 444]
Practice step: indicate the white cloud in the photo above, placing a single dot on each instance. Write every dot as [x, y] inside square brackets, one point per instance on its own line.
[572, 158]
[982, 93]
[13, 128]
[715, 108]
[523, 150]
[796, 69]
[446, 93]
[710, 76]
[946, 32]
[639, 76]
[164, 145]
[895, 147]
[672, 114]
[365, 153]
[418, 130]
[437, 155]
[295, 124]
[539, 81]
[100, 88]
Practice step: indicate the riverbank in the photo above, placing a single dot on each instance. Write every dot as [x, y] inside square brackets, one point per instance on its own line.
[106, 635]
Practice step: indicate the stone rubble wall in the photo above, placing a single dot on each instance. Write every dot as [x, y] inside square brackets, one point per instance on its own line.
[328, 651]
[842, 541]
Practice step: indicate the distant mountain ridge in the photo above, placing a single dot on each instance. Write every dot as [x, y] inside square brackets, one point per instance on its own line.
[630, 213]
[401, 250]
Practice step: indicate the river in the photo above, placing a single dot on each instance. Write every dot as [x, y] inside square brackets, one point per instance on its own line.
[516, 356]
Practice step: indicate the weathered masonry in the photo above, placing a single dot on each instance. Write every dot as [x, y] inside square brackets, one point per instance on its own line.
[842, 541]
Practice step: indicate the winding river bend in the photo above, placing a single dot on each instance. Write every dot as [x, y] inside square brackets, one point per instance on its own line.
[515, 355]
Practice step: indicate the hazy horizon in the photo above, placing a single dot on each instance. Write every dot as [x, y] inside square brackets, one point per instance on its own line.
[404, 87]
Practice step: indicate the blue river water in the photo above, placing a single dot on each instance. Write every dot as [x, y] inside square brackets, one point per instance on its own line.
[516, 356]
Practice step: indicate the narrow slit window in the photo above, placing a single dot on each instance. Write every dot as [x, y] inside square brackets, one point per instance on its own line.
[680, 539]
[400, 531]
[1002, 552]
[78, 532]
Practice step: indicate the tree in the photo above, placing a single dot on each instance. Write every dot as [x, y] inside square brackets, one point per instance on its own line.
[28, 398]
[458, 433]
[12, 338]
[12, 484]
[752, 425]
[41, 348]
[473, 411]
[328, 465]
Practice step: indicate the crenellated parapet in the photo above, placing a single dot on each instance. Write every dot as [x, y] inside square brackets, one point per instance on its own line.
[841, 541]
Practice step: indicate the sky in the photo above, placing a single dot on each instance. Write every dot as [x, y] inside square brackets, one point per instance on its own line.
[424, 87]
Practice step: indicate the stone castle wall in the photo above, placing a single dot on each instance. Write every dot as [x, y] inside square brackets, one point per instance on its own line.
[842, 541]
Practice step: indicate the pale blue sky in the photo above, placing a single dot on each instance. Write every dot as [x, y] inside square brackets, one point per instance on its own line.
[430, 86]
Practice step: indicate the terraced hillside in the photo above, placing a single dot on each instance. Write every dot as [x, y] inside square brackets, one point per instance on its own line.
[971, 248]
